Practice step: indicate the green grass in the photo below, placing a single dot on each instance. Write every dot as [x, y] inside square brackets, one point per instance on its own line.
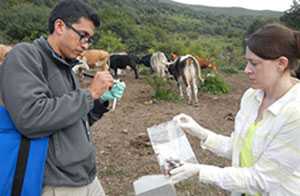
[143, 70]
[230, 69]
[214, 84]
[162, 89]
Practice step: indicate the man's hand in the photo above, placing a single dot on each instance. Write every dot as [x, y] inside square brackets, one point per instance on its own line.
[118, 89]
[107, 96]
[116, 92]
[101, 83]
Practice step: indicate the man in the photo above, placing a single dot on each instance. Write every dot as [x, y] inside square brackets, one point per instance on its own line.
[43, 98]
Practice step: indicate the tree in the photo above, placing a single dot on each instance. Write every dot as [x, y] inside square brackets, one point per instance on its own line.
[110, 42]
[258, 23]
[24, 22]
[291, 17]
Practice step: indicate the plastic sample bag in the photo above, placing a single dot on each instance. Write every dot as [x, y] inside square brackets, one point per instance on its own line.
[169, 142]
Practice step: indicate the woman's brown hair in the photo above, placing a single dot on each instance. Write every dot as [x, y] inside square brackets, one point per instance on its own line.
[275, 40]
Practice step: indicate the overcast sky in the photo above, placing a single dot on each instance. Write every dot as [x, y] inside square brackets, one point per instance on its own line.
[278, 5]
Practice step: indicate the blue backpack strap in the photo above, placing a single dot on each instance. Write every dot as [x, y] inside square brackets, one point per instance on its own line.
[21, 167]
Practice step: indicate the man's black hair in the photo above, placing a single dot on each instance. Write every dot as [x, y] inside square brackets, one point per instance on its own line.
[70, 11]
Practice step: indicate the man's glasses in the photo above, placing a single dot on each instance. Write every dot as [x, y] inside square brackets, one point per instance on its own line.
[84, 37]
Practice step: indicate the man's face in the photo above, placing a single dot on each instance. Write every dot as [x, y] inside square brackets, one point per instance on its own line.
[76, 38]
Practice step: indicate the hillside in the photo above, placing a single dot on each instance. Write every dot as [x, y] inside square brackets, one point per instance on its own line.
[229, 11]
[143, 26]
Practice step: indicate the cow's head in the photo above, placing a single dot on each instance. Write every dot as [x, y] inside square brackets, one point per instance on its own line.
[174, 56]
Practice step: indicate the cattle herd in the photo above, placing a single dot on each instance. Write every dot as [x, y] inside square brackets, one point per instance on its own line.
[186, 70]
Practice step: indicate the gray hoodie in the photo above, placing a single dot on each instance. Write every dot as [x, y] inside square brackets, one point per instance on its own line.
[43, 97]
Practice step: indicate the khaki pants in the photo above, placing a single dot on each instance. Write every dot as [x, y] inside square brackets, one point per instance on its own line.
[93, 189]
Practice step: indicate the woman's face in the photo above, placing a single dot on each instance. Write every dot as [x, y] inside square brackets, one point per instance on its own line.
[263, 74]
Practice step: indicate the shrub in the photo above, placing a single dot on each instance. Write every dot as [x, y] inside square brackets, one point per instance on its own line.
[229, 69]
[24, 22]
[143, 70]
[162, 89]
[214, 84]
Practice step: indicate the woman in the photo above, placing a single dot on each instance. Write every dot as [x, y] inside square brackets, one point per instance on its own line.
[265, 144]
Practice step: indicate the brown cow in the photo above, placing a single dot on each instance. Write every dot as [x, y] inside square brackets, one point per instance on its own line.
[4, 49]
[204, 64]
[90, 59]
[95, 58]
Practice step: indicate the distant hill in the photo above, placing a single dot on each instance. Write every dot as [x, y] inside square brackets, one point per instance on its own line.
[230, 11]
[175, 17]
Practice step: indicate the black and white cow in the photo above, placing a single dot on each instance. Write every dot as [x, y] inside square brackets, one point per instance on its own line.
[186, 70]
[121, 61]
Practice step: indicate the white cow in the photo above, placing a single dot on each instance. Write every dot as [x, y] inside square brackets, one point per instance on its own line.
[159, 62]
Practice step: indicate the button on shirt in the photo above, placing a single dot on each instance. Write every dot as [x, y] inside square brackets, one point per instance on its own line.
[275, 148]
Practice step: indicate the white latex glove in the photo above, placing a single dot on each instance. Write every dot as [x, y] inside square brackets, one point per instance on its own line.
[171, 164]
[189, 125]
[184, 172]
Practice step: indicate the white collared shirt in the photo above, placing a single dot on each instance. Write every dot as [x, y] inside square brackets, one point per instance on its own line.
[276, 148]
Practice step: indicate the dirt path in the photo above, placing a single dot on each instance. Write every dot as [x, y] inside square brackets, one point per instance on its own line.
[123, 150]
